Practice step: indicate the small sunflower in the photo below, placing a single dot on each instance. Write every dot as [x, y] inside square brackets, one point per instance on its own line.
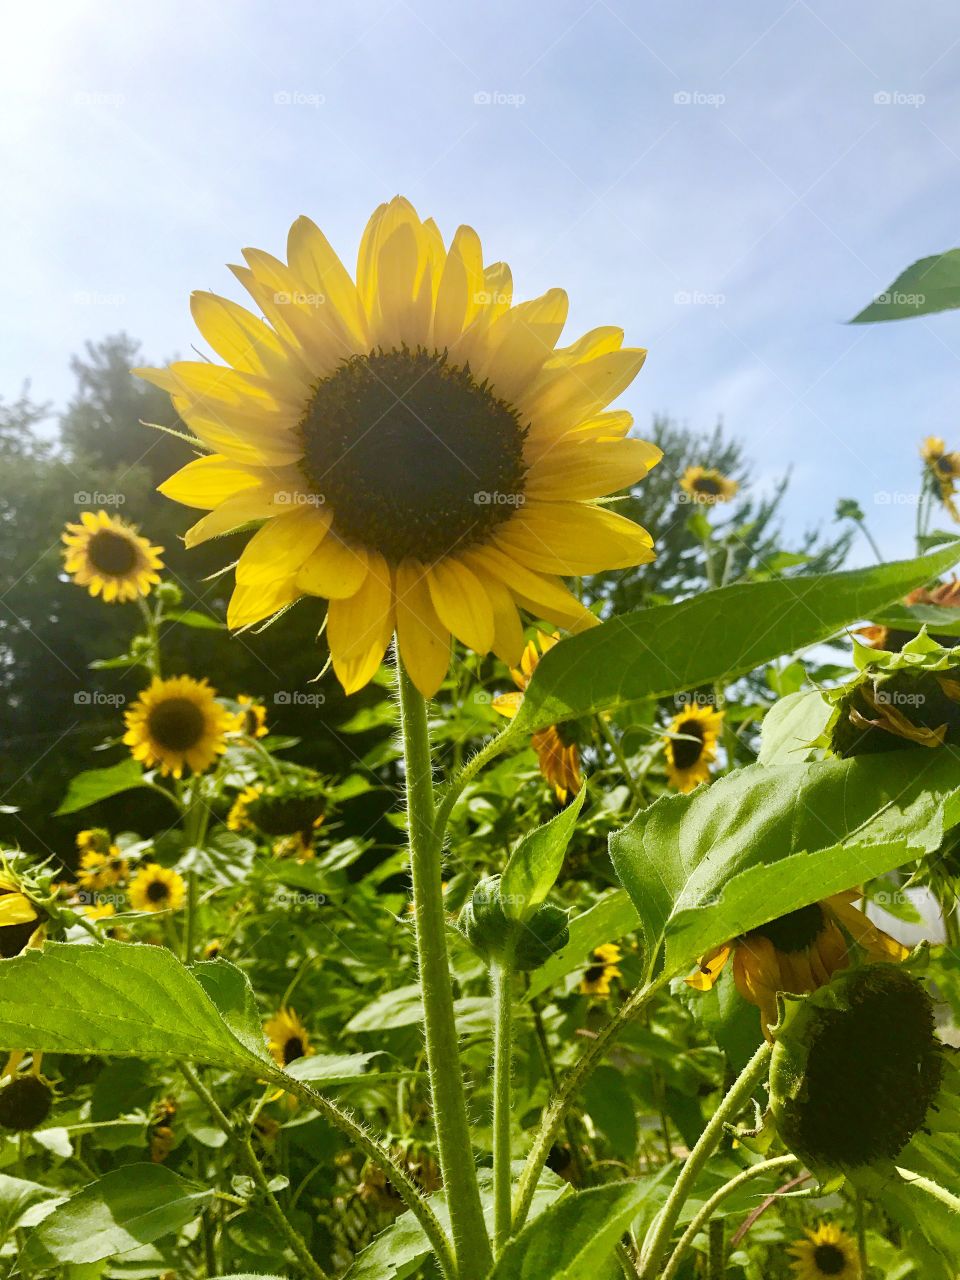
[287, 1037]
[156, 888]
[797, 953]
[252, 717]
[177, 723]
[691, 746]
[108, 557]
[238, 818]
[96, 910]
[827, 1251]
[944, 469]
[598, 977]
[21, 919]
[422, 453]
[558, 756]
[707, 485]
[94, 840]
[101, 870]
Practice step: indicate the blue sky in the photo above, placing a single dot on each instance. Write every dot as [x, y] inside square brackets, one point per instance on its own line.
[729, 183]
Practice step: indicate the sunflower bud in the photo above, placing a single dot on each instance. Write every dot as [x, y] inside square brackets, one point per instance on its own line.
[856, 1068]
[169, 594]
[25, 1103]
[524, 944]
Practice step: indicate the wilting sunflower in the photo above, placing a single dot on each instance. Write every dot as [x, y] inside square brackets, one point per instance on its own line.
[603, 969]
[797, 953]
[557, 754]
[691, 745]
[156, 888]
[945, 595]
[108, 557]
[827, 1251]
[177, 723]
[287, 1037]
[424, 455]
[252, 717]
[707, 485]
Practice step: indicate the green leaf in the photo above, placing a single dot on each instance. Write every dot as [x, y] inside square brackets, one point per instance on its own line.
[191, 618]
[911, 617]
[535, 863]
[606, 921]
[98, 784]
[764, 841]
[403, 1007]
[124, 999]
[929, 285]
[123, 1210]
[791, 726]
[16, 1197]
[716, 635]
[572, 1240]
[331, 1068]
[230, 990]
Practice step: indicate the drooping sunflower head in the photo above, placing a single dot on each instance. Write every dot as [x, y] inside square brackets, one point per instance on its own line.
[156, 888]
[558, 753]
[288, 807]
[827, 1250]
[603, 968]
[797, 953]
[108, 557]
[176, 724]
[943, 464]
[856, 1068]
[707, 485]
[423, 454]
[287, 1037]
[691, 745]
[25, 1103]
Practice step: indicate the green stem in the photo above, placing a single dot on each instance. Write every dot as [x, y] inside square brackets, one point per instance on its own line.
[151, 623]
[617, 748]
[500, 975]
[869, 537]
[710, 1207]
[576, 1159]
[862, 1238]
[253, 1166]
[455, 787]
[471, 1243]
[553, 1117]
[658, 1237]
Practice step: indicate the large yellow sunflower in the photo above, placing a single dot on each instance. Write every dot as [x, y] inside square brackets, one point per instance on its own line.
[423, 454]
[108, 557]
[827, 1251]
[177, 723]
[691, 745]
[797, 953]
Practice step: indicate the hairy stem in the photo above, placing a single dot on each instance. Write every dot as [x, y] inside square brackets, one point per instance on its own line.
[502, 1044]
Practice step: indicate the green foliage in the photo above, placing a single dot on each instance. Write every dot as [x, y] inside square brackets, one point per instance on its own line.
[929, 285]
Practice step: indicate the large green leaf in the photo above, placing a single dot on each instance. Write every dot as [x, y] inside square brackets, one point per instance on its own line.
[99, 784]
[16, 1197]
[573, 1239]
[764, 841]
[124, 999]
[125, 1209]
[716, 635]
[911, 617]
[929, 285]
[535, 863]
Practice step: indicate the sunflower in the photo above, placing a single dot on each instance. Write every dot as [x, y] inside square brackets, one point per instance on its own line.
[797, 953]
[559, 758]
[96, 910]
[238, 818]
[827, 1251]
[945, 595]
[707, 485]
[287, 1037]
[108, 557]
[156, 888]
[101, 870]
[21, 919]
[944, 468]
[252, 717]
[424, 455]
[691, 745]
[598, 977]
[177, 723]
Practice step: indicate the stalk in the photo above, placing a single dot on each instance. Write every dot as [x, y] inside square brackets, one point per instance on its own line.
[500, 975]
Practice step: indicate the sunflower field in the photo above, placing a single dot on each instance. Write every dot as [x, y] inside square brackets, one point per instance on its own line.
[488, 848]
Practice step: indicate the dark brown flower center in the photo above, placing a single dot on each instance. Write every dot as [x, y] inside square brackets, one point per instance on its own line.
[112, 553]
[829, 1260]
[292, 1049]
[688, 749]
[412, 455]
[708, 485]
[25, 1103]
[177, 724]
[793, 932]
[158, 891]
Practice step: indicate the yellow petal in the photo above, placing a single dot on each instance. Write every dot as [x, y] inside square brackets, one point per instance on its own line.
[544, 597]
[462, 289]
[404, 300]
[208, 481]
[262, 443]
[252, 504]
[16, 909]
[359, 629]
[315, 350]
[424, 641]
[239, 337]
[591, 469]
[253, 604]
[573, 538]
[314, 261]
[279, 549]
[571, 394]
[335, 570]
[462, 604]
[520, 341]
[507, 627]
